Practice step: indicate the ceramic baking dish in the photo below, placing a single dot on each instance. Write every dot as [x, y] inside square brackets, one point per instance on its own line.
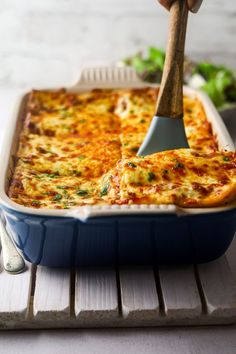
[104, 235]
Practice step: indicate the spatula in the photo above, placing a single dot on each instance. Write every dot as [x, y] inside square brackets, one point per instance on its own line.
[166, 131]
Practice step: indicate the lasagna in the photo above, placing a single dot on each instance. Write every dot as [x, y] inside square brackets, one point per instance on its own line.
[80, 149]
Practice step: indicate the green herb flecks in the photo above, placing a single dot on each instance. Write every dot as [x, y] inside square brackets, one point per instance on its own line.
[104, 190]
[131, 164]
[37, 176]
[76, 173]
[48, 193]
[68, 204]
[51, 175]
[65, 126]
[82, 192]
[63, 113]
[178, 165]
[226, 158]
[151, 176]
[57, 197]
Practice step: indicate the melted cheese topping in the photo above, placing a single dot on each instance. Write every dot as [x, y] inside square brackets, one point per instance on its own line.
[80, 148]
[181, 177]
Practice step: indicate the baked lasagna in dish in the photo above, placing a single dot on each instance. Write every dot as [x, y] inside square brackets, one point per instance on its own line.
[80, 149]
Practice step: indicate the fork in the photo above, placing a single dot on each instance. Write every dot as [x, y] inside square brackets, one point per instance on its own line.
[13, 263]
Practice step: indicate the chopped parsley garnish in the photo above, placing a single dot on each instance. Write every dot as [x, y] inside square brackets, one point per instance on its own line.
[131, 111]
[226, 158]
[131, 164]
[178, 165]
[57, 197]
[51, 175]
[65, 126]
[104, 190]
[67, 204]
[134, 149]
[47, 193]
[142, 121]
[151, 176]
[81, 157]
[76, 173]
[82, 192]
[63, 112]
[64, 191]
[165, 171]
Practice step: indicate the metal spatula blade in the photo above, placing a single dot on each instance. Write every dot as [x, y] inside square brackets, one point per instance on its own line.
[166, 131]
[156, 140]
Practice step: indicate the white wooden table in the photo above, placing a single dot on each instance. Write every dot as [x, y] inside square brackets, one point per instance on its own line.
[55, 303]
[102, 297]
[182, 340]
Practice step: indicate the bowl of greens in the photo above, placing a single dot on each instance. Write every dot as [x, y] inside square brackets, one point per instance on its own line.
[218, 81]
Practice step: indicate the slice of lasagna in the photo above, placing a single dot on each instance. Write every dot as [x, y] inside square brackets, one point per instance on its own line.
[182, 177]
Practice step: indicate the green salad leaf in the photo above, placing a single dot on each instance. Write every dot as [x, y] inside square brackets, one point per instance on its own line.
[150, 67]
[220, 81]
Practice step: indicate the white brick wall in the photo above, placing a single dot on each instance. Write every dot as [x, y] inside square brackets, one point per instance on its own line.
[48, 41]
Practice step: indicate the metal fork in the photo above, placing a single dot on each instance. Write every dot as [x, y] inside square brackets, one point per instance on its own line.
[13, 263]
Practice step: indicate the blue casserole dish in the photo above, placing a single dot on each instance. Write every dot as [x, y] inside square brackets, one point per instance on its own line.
[110, 235]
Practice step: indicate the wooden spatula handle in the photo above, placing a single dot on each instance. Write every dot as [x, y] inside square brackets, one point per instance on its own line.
[170, 99]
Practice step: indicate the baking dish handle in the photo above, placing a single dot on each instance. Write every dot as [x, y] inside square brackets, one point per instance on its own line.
[87, 212]
[107, 76]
